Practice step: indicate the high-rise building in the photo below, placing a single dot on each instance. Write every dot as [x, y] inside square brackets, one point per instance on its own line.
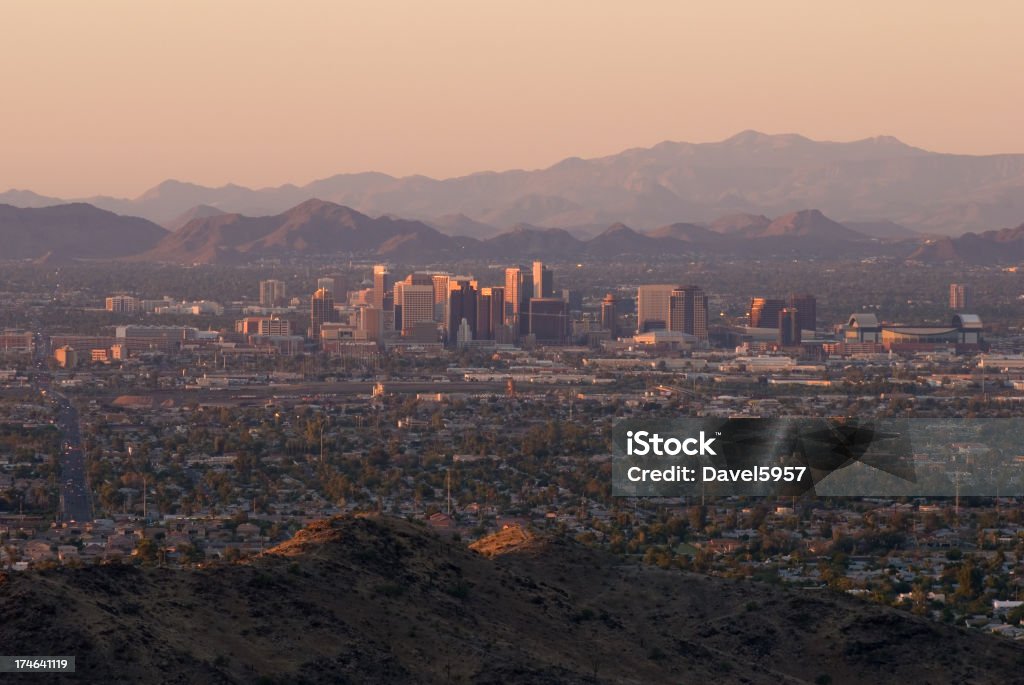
[518, 291]
[420, 280]
[789, 327]
[462, 295]
[549, 320]
[806, 307]
[574, 298]
[326, 283]
[122, 304]
[653, 304]
[490, 312]
[440, 283]
[764, 312]
[610, 315]
[321, 311]
[958, 296]
[369, 323]
[417, 306]
[543, 280]
[382, 285]
[272, 293]
[497, 310]
[396, 305]
[688, 311]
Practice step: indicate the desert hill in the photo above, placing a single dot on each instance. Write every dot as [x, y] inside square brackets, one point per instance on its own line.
[1005, 246]
[317, 228]
[387, 601]
[75, 231]
[310, 228]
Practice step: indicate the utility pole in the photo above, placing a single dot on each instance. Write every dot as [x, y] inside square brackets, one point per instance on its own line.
[323, 425]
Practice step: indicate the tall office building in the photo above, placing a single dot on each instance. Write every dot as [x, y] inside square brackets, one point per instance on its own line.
[958, 296]
[462, 295]
[688, 311]
[370, 323]
[382, 285]
[440, 283]
[806, 307]
[396, 305]
[764, 312]
[321, 311]
[789, 327]
[497, 311]
[417, 305]
[272, 293]
[518, 291]
[653, 304]
[543, 280]
[610, 315]
[490, 312]
[574, 298]
[549, 320]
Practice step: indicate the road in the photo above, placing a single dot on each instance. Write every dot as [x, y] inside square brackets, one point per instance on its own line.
[76, 502]
[75, 497]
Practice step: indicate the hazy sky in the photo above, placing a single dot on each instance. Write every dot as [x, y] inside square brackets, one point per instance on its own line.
[106, 97]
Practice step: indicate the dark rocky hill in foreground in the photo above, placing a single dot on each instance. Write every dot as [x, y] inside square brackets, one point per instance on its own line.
[360, 600]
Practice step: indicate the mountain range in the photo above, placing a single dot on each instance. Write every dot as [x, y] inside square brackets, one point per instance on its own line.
[381, 600]
[73, 231]
[316, 227]
[878, 184]
[313, 228]
[1005, 246]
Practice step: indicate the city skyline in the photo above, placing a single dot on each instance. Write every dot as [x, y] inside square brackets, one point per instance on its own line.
[485, 342]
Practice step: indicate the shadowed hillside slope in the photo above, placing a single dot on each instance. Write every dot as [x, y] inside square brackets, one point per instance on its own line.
[385, 601]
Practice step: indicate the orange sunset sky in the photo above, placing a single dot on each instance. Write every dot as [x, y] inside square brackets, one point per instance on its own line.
[110, 98]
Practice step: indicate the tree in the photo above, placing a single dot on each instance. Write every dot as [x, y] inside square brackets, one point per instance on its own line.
[147, 552]
[971, 579]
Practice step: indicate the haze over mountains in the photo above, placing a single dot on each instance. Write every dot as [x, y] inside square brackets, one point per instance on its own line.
[316, 228]
[1005, 246]
[385, 601]
[870, 182]
[73, 231]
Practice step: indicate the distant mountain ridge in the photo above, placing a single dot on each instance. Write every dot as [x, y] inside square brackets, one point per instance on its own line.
[871, 181]
[315, 228]
[75, 231]
[1005, 246]
[318, 228]
[310, 228]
